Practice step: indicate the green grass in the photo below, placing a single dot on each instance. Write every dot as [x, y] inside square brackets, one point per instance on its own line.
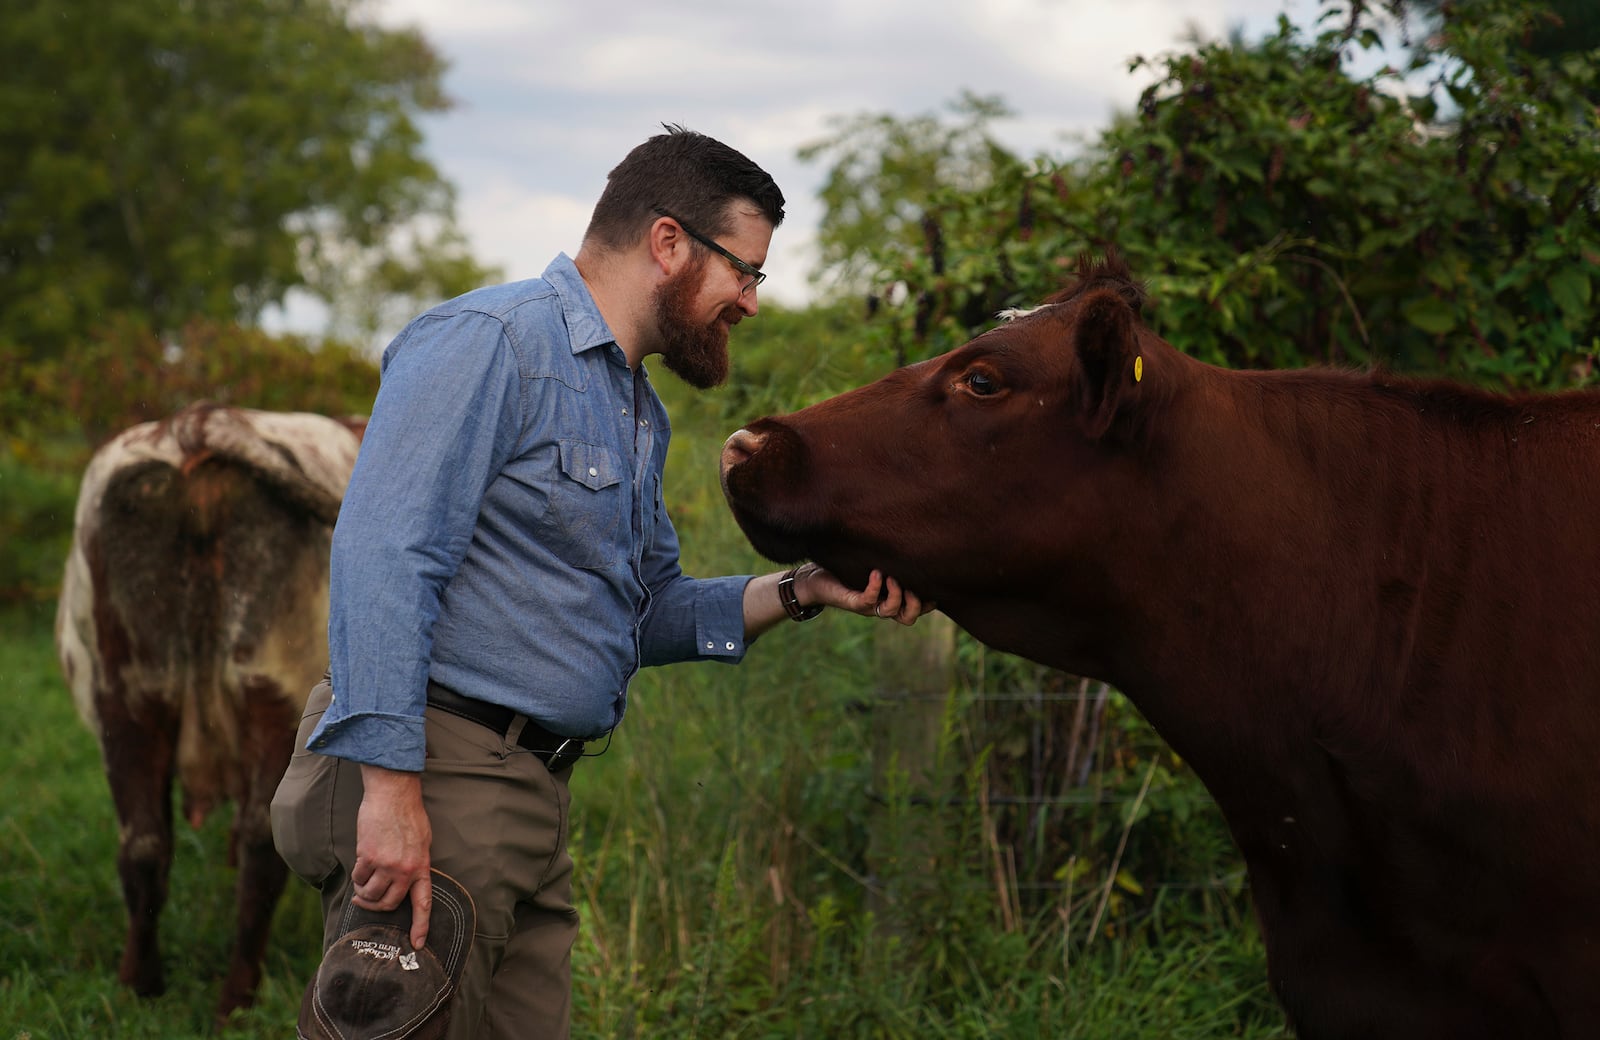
[59, 893]
[720, 848]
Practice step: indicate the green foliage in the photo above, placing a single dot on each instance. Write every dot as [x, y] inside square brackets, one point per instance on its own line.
[170, 161]
[785, 360]
[125, 373]
[36, 504]
[884, 172]
[1562, 27]
[1286, 210]
[54, 412]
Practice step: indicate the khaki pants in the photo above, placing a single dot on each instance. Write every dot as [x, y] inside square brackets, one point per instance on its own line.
[499, 823]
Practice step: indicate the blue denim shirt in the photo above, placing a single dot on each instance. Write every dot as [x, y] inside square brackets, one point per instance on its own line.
[504, 532]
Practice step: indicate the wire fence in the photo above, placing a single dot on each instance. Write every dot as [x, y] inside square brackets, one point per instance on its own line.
[1066, 773]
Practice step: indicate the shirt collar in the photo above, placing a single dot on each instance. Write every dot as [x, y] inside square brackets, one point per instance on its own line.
[584, 323]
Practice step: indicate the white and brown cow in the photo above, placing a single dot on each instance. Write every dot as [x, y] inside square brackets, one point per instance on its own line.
[192, 623]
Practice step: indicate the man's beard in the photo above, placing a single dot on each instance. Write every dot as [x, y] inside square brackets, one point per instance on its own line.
[695, 353]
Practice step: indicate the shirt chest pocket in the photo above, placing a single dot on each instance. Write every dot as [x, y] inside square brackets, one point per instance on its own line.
[588, 505]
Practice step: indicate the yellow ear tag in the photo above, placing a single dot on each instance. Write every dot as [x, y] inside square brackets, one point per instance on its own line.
[1138, 368]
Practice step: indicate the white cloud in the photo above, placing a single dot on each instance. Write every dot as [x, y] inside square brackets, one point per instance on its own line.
[515, 226]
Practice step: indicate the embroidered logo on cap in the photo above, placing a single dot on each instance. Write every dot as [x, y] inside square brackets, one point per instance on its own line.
[376, 950]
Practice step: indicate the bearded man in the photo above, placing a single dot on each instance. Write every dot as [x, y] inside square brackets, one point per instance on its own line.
[503, 564]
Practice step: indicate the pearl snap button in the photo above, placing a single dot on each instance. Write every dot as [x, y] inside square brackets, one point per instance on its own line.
[593, 472]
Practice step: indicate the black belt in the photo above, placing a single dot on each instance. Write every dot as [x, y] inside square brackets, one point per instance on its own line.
[554, 750]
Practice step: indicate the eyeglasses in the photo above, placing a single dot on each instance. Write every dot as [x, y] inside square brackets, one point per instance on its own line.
[752, 276]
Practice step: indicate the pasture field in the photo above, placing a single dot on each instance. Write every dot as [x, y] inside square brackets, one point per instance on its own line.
[719, 856]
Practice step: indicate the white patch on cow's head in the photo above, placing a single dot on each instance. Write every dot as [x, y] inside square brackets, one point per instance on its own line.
[1011, 314]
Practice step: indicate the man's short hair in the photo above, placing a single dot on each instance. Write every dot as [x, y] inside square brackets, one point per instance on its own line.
[690, 175]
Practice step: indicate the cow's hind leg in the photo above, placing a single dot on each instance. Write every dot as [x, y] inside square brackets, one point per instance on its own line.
[262, 877]
[139, 745]
[269, 739]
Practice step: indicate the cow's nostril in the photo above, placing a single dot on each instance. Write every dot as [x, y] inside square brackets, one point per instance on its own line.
[740, 445]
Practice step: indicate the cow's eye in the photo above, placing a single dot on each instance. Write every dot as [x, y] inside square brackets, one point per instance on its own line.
[981, 384]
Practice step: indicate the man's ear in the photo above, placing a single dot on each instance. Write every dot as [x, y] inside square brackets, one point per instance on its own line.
[1105, 339]
[668, 245]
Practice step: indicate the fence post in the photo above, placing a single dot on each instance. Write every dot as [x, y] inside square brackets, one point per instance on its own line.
[915, 675]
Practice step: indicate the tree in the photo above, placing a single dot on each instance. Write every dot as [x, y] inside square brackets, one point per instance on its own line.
[1563, 27]
[171, 159]
[1439, 216]
[886, 171]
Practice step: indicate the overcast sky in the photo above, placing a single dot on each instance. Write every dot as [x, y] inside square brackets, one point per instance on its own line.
[552, 93]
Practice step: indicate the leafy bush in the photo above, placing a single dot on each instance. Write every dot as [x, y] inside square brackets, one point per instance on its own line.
[55, 412]
[1443, 217]
[127, 374]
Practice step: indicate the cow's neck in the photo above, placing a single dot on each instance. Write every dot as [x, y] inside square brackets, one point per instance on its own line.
[1277, 568]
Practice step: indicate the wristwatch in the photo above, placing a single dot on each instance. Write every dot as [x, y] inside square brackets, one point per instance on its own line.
[791, 604]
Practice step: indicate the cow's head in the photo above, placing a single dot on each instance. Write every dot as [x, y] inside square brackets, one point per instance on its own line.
[1006, 464]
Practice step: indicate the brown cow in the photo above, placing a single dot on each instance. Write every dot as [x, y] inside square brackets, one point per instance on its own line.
[191, 625]
[1362, 607]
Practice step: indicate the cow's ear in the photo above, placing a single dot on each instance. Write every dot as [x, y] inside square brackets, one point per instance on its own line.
[1106, 342]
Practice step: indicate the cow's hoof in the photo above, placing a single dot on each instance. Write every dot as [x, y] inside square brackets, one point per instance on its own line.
[143, 979]
[230, 1003]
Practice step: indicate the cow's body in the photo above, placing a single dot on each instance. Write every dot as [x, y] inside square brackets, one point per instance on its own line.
[1364, 609]
[191, 625]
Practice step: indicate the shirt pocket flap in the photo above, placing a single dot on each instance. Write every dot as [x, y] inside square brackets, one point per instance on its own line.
[591, 465]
